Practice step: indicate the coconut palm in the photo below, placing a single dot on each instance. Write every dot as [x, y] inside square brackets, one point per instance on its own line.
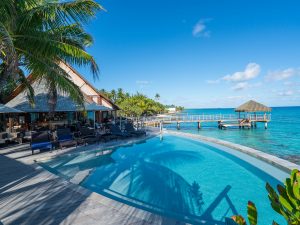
[157, 97]
[37, 35]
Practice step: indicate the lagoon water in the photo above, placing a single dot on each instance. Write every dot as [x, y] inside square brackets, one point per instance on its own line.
[282, 138]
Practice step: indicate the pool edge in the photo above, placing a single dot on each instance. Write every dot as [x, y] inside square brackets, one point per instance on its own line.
[282, 164]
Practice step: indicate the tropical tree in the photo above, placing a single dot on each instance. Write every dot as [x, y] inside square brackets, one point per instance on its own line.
[113, 95]
[157, 97]
[37, 35]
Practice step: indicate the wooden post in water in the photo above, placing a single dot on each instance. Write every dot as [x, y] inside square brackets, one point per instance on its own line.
[160, 126]
[178, 125]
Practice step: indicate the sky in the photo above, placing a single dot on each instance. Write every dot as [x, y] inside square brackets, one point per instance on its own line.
[199, 53]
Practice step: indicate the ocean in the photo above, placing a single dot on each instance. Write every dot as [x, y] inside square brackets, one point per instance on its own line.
[282, 138]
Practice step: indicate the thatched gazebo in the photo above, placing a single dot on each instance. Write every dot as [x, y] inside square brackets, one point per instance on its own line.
[250, 110]
[253, 106]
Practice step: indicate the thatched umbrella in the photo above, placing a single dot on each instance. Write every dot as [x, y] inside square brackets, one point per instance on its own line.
[253, 106]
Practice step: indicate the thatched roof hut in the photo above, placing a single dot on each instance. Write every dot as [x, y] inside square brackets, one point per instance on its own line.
[253, 106]
[64, 102]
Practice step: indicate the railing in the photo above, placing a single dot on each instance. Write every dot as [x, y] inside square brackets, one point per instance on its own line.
[202, 118]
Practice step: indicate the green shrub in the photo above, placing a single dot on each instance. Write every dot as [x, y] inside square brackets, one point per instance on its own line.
[286, 202]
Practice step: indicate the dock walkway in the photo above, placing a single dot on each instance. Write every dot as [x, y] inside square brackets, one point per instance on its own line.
[222, 120]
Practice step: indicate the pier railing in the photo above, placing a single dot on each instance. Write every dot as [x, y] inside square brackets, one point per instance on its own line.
[203, 118]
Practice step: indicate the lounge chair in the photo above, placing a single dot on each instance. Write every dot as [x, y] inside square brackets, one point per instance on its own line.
[41, 140]
[3, 137]
[11, 137]
[107, 137]
[64, 137]
[130, 129]
[87, 135]
[27, 135]
[115, 130]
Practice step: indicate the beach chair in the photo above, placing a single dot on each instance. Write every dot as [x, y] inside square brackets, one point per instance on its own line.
[87, 135]
[65, 138]
[115, 130]
[41, 140]
[27, 135]
[107, 137]
[3, 137]
[130, 129]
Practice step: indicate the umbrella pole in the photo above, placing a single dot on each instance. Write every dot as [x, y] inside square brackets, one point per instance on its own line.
[94, 120]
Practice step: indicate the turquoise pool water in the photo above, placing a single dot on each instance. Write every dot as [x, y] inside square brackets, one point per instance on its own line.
[173, 176]
[282, 138]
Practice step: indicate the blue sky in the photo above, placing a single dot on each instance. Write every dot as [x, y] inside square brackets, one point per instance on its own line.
[196, 53]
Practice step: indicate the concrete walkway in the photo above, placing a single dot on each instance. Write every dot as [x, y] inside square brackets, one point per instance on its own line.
[31, 195]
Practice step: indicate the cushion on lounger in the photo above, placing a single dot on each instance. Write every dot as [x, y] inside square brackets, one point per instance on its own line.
[41, 145]
[65, 137]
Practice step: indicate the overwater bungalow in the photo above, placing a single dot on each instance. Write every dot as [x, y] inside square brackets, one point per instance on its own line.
[97, 107]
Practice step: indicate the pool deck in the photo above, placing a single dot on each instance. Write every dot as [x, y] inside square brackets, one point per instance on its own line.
[31, 195]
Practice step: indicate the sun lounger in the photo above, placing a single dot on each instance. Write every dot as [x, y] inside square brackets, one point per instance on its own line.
[27, 135]
[87, 135]
[3, 137]
[41, 140]
[107, 137]
[130, 129]
[65, 138]
[115, 130]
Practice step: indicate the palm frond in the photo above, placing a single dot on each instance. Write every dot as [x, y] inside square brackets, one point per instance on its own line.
[6, 42]
[7, 10]
[27, 85]
[54, 14]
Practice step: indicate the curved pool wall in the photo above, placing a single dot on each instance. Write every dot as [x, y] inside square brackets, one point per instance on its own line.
[174, 176]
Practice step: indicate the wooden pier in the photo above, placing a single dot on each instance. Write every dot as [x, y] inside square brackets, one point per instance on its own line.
[222, 121]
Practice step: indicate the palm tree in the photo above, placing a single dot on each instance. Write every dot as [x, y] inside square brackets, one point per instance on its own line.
[37, 35]
[157, 97]
[113, 95]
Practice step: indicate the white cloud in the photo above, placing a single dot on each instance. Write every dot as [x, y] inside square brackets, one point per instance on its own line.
[281, 74]
[286, 93]
[200, 29]
[251, 71]
[213, 81]
[240, 86]
[239, 97]
[245, 85]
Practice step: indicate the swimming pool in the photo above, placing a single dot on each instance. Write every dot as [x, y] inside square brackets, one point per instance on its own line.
[174, 176]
